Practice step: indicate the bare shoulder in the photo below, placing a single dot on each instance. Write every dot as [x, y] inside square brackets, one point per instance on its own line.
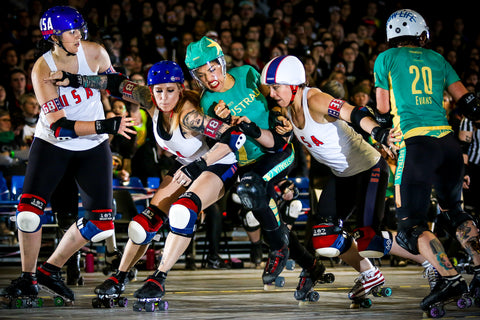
[318, 101]
[96, 55]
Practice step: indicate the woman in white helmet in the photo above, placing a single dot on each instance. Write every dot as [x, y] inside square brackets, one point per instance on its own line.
[360, 174]
[410, 81]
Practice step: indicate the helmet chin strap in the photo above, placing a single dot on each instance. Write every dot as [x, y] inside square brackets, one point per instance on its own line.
[294, 92]
[60, 44]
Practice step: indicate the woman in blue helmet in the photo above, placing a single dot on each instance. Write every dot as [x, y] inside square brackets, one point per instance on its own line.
[182, 129]
[71, 135]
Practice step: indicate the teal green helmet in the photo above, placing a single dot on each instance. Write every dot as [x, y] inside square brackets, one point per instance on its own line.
[204, 52]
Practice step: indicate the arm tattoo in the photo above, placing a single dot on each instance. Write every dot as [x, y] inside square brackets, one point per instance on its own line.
[194, 121]
[95, 82]
[143, 95]
[463, 231]
[440, 254]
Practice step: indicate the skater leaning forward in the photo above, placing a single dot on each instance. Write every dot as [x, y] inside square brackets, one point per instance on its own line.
[410, 80]
[72, 134]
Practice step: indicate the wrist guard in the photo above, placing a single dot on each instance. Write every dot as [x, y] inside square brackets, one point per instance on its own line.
[384, 120]
[250, 129]
[63, 129]
[75, 80]
[194, 169]
[381, 135]
[234, 138]
[114, 80]
[469, 106]
[110, 126]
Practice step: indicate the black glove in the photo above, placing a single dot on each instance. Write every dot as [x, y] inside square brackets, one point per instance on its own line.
[110, 126]
[75, 80]
[194, 169]
[381, 135]
[250, 129]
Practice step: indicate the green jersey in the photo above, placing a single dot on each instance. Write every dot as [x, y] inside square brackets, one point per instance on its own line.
[243, 99]
[416, 79]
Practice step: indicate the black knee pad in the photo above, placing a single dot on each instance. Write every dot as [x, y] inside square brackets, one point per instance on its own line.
[451, 220]
[408, 238]
[252, 191]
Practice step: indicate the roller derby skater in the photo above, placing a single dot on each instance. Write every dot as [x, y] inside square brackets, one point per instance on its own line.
[50, 279]
[308, 278]
[369, 282]
[276, 262]
[448, 289]
[149, 296]
[109, 292]
[21, 293]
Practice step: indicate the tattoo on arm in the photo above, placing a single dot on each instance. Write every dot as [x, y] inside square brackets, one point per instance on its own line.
[463, 231]
[143, 95]
[95, 82]
[194, 121]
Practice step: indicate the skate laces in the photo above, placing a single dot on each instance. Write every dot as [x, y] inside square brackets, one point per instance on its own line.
[432, 275]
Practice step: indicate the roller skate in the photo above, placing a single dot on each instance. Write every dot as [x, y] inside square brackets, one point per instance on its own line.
[52, 282]
[112, 262]
[149, 296]
[474, 286]
[109, 292]
[73, 270]
[308, 278]
[369, 282]
[276, 262]
[431, 274]
[22, 293]
[445, 291]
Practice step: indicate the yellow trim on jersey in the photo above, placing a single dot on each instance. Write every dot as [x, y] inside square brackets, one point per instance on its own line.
[435, 131]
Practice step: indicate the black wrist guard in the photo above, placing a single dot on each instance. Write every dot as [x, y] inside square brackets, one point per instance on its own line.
[114, 80]
[469, 106]
[250, 129]
[384, 120]
[195, 168]
[381, 135]
[75, 80]
[108, 125]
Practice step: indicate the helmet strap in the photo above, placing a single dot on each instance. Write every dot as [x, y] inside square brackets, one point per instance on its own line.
[294, 92]
[60, 44]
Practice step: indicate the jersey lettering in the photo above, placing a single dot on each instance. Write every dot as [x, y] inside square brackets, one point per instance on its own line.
[313, 139]
[75, 96]
[89, 92]
[64, 100]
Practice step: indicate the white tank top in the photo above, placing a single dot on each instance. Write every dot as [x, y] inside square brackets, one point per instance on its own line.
[82, 104]
[335, 144]
[186, 150]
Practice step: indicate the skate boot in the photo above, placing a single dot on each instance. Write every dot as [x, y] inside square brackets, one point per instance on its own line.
[475, 286]
[276, 262]
[22, 293]
[52, 282]
[149, 296]
[108, 293]
[371, 245]
[216, 262]
[308, 279]
[73, 270]
[454, 289]
[112, 261]
[369, 281]
[256, 253]
[431, 274]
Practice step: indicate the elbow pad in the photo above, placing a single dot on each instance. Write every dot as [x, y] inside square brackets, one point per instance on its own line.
[63, 129]
[469, 106]
[358, 113]
[114, 80]
[279, 143]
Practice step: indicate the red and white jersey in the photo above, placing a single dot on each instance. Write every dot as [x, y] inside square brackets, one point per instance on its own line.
[335, 144]
[82, 104]
[187, 150]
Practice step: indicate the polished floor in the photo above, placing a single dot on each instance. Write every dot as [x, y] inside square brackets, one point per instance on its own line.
[239, 294]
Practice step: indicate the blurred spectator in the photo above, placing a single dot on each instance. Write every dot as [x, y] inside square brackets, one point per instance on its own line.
[311, 71]
[13, 152]
[17, 87]
[4, 102]
[25, 126]
[237, 51]
[252, 55]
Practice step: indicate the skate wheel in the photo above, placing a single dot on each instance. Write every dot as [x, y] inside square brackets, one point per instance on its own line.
[354, 305]
[313, 296]
[96, 303]
[376, 293]
[137, 307]
[58, 301]
[149, 306]
[122, 302]
[108, 303]
[464, 303]
[328, 277]
[39, 302]
[290, 265]
[436, 312]
[280, 282]
[163, 305]
[366, 303]
[386, 292]
[18, 303]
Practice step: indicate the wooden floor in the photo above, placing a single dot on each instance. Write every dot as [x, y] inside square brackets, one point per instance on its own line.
[239, 294]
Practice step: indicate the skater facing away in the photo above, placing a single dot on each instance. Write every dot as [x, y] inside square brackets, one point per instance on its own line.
[410, 81]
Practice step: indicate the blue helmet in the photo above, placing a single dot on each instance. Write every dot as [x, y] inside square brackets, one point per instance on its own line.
[59, 19]
[165, 72]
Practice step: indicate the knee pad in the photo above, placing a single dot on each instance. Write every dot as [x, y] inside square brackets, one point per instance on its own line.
[30, 213]
[371, 245]
[250, 222]
[96, 225]
[451, 220]
[408, 238]
[183, 214]
[145, 225]
[330, 240]
[252, 191]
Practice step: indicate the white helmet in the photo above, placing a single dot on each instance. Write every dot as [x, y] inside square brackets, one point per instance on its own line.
[406, 22]
[284, 70]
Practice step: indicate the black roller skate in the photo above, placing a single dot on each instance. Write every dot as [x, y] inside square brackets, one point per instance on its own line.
[73, 270]
[112, 262]
[22, 293]
[52, 282]
[149, 296]
[446, 290]
[369, 282]
[475, 286]
[276, 262]
[431, 274]
[308, 278]
[109, 292]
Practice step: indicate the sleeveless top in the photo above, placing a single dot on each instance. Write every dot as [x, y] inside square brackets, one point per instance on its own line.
[82, 104]
[186, 149]
[335, 144]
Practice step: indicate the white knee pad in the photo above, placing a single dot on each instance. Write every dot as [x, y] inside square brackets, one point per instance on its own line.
[28, 221]
[294, 209]
[136, 232]
[102, 235]
[182, 220]
[250, 220]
